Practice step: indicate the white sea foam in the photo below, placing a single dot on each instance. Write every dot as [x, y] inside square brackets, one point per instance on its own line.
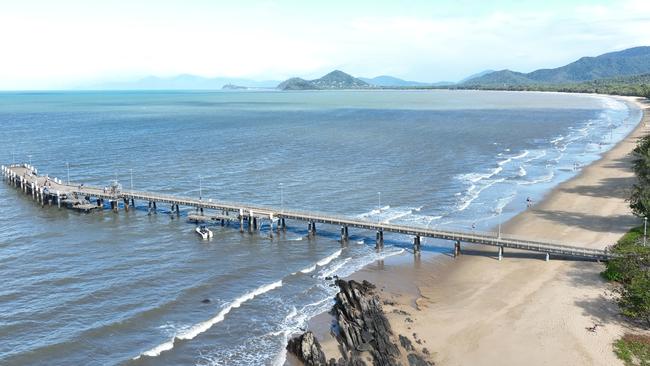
[522, 171]
[541, 154]
[329, 258]
[546, 178]
[199, 328]
[474, 192]
[511, 158]
[334, 269]
[308, 269]
[389, 214]
[502, 203]
[295, 321]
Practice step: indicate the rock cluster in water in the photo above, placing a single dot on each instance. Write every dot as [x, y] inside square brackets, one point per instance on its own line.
[362, 330]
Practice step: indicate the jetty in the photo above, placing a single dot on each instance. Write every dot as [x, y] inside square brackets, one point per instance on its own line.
[249, 217]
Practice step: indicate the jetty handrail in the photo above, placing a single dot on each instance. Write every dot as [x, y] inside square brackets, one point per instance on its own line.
[28, 175]
[321, 216]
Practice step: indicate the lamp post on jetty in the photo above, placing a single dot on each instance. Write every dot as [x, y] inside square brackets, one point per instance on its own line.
[499, 232]
[200, 188]
[30, 159]
[131, 172]
[645, 229]
[67, 165]
[281, 197]
[13, 158]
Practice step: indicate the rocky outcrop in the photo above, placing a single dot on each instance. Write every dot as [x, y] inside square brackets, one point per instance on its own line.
[307, 349]
[362, 325]
[362, 331]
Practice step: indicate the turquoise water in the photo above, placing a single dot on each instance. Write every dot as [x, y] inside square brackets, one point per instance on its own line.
[102, 289]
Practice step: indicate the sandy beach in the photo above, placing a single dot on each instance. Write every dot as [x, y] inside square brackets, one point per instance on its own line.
[477, 310]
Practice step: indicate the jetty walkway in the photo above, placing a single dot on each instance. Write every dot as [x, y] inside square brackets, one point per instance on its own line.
[51, 191]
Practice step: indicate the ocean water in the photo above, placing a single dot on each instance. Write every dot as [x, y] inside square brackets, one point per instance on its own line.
[127, 288]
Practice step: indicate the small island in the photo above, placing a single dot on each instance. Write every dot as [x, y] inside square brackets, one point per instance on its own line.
[234, 87]
[335, 80]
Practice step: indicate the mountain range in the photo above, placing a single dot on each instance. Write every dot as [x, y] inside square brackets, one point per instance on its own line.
[613, 65]
[334, 80]
[338, 79]
[632, 61]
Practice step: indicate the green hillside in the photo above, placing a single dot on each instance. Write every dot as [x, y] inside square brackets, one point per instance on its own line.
[632, 61]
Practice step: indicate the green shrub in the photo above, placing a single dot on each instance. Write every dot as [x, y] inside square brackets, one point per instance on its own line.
[634, 350]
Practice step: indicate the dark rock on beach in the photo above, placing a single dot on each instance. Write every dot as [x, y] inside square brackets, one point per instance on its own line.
[362, 331]
[417, 360]
[362, 324]
[307, 349]
[406, 343]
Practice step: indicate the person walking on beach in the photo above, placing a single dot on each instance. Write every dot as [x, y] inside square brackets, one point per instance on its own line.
[529, 202]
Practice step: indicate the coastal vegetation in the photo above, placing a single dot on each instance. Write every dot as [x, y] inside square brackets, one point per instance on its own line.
[634, 350]
[637, 85]
[631, 268]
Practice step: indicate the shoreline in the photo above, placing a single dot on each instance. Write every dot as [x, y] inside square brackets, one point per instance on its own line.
[478, 310]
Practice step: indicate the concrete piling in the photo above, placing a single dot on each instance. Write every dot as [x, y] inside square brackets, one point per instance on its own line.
[379, 243]
[457, 250]
[500, 252]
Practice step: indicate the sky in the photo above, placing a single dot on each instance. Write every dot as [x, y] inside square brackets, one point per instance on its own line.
[70, 43]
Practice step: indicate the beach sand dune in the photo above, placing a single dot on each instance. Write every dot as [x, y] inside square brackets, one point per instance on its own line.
[476, 310]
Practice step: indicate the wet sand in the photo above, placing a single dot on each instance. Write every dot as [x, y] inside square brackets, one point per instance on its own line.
[477, 310]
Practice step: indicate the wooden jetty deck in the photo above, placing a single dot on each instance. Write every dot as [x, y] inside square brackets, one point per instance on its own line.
[48, 190]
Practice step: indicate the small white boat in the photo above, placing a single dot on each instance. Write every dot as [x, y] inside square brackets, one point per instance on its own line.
[204, 232]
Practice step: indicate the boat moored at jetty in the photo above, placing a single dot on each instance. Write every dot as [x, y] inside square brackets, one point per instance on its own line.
[204, 232]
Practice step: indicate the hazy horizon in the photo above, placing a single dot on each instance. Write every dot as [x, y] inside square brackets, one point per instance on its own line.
[73, 44]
